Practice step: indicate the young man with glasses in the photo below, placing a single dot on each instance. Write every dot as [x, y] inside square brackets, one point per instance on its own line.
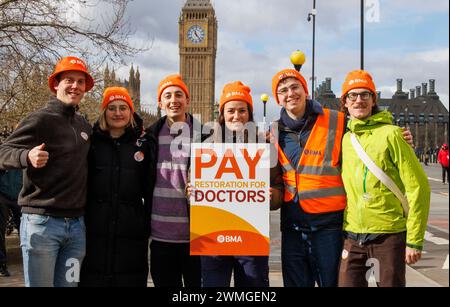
[314, 197]
[364, 96]
[379, 227]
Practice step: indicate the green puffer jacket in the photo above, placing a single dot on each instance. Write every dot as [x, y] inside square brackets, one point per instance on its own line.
[371, 206]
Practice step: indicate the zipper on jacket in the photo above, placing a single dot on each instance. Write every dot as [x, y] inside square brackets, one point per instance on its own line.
[74, 132]
[361, 203]
[364, 180]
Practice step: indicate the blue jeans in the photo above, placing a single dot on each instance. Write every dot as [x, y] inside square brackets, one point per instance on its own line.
[249, 271]
[53, 249]
[311, 256]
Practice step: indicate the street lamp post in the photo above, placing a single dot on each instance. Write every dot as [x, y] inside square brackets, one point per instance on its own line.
[362, 34]
[264, 99]
[431, 120]
[313, 14]
[427, 143]
[406, 118]
[441, 123]
[416, 122]
[298, 59]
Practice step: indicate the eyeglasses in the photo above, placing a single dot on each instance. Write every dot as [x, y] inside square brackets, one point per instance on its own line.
[284, 91]
[363, 95]
[121, 108]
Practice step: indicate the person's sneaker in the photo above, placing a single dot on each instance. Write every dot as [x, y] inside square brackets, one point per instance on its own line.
[4, 271]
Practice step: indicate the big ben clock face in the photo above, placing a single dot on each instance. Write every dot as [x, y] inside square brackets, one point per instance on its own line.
[196, 34]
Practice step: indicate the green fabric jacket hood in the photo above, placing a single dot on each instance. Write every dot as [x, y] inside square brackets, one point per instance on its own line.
[371, 206]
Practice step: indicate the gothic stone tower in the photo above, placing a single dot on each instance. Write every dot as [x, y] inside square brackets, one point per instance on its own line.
[133, 84]
[198, 46]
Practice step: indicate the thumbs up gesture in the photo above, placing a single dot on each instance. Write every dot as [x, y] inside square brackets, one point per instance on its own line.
[38, 157]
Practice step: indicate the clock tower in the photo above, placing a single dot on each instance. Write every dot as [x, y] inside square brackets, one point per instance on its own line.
[198, 45]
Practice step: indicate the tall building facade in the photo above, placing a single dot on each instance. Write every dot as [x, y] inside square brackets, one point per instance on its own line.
[133, 85]
[198, 47]
[420, 110]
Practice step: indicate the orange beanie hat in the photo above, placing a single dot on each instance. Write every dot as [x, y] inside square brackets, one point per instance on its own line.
[70, 63]
[172, 80]
[235, 91]
[358, 79]
[284, 74]
[116, 93]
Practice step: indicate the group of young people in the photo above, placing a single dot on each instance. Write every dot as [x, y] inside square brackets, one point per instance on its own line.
[93, 197]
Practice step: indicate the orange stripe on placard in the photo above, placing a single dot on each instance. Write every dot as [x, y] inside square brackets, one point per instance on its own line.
[231, 243]
[205, 220]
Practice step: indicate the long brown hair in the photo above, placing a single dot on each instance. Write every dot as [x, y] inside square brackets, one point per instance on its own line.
[220, 137]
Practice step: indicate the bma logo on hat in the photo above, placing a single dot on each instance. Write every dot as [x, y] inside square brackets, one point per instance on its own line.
[79, 62]
[234, 94]
[351, 82]
[286, 75]
[166, 84]
[117, 97]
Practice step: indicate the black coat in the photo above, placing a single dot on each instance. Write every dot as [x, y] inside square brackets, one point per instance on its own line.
[117, 217]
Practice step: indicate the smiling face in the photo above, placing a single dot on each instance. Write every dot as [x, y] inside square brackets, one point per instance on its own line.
[359, 103]
[236, 115]
[175, 103]
[118, 115]
[71, 87]
[292, 97]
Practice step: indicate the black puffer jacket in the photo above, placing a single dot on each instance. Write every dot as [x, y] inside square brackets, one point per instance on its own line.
[117, 218]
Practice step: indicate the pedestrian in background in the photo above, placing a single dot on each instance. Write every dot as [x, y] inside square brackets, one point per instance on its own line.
[10, 186]
[427, 156]
[443, 160]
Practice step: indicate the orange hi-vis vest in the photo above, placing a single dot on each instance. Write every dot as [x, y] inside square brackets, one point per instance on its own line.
[317, 178]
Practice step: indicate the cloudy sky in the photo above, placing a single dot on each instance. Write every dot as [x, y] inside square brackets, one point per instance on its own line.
[404, 39]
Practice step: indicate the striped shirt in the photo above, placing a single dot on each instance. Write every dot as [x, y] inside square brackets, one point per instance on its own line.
[170, 218]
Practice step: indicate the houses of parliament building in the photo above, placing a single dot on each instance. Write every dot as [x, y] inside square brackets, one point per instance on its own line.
[420, 110]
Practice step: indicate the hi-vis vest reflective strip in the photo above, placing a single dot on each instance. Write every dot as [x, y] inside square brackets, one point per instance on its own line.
[317, 178]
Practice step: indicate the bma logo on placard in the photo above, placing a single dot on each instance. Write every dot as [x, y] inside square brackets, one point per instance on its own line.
[229, 239]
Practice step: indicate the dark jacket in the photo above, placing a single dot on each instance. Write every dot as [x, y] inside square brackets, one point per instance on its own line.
[117, 217]
[11, 183]
[59, 188]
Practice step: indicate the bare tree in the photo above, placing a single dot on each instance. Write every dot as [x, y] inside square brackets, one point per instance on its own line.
[36, 33]
[48, 29]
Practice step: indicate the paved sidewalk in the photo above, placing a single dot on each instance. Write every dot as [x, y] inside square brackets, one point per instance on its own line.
[413, 277]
